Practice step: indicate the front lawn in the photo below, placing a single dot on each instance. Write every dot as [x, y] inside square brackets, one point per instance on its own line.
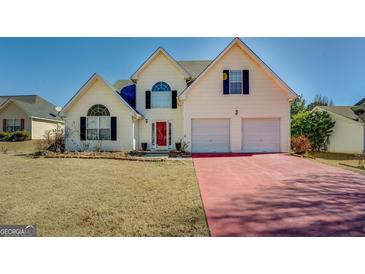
[342, 160]
[75, 197]
[18, 147]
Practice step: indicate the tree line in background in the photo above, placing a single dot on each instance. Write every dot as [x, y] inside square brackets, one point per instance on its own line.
[310, 129]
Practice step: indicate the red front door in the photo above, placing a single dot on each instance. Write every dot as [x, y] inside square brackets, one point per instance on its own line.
[161, 133]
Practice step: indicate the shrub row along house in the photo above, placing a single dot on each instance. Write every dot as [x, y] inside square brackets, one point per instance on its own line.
[348, 135]
[30, 113]
[234, 103]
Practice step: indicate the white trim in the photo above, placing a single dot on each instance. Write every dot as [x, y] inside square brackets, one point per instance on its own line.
[229, 81]
[167, 147]
[251, 54]
[50, 120]
[98, 128]
[186, 74]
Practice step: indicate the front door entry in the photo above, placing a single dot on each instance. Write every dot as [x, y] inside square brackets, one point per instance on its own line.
[161, 134]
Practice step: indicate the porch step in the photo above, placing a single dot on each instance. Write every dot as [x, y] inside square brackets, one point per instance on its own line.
[157, 155]
[154, 152]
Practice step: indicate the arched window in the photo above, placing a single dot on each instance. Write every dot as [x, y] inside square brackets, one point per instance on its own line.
[98, 123]
[98, 110]
[161, 95]
[161, 86]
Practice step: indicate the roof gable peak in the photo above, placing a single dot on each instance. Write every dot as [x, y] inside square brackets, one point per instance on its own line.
[89, 82]
[237, 41]
[150, 59]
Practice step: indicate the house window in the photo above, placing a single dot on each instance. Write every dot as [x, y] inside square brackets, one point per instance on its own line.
[98, 123]
[161, 95]
[235, 82]
[13, 125]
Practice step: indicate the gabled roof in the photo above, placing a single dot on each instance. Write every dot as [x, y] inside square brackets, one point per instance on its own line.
[33, 105]
[344, 111]
[250, 53]
[193, 67]
[85, 87]
[134, 77]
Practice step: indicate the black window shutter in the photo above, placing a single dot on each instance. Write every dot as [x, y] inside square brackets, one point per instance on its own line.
[113, 127]
[148, 99]
[174, 99]
[82, 128]
[245, 82]
[225, 81]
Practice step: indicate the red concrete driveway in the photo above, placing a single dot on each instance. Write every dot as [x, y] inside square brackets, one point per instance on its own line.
[279, 195]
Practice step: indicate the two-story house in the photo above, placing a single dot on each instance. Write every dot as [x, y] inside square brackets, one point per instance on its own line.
[234, 103]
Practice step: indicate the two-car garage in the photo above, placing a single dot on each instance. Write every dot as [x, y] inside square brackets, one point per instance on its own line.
[256, 134]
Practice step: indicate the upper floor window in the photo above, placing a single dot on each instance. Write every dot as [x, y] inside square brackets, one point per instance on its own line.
[13, 125]
[98, 123]
[235, 81]
[98, 110]
[161, 86]
[161, 95]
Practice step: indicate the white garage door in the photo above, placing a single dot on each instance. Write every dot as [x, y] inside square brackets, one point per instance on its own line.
[261, 135]
[210, 135]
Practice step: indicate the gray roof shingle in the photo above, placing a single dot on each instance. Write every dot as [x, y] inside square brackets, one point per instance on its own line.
[195, 67]
[345, 111]
[33, 105]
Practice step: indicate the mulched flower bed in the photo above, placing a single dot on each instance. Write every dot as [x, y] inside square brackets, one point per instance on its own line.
[179, 154]
[95, 155]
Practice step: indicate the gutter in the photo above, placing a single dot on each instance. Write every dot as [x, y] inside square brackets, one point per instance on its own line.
[45, 119]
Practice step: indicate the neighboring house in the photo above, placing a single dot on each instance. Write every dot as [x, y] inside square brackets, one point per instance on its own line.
[28, 112]
[348, 135]
[234, 103]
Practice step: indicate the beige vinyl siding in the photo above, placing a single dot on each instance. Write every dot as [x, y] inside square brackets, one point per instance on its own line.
[266, 99]
[160, 69]
[12, 111]
[347, 135]
[100, 93]
[40, 127]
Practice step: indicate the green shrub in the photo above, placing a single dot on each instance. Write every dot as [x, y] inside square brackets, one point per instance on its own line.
[4, 136]
[316, 125]
[15, 136]
[21, 135]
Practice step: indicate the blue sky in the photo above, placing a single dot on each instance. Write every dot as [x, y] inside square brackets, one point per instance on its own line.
[55, 68]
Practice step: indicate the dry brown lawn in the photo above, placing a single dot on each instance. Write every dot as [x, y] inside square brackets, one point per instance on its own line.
[342, 160]
[79, 197]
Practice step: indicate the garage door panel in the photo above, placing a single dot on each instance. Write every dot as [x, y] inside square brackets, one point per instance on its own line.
[210, 135]
[261, 135]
